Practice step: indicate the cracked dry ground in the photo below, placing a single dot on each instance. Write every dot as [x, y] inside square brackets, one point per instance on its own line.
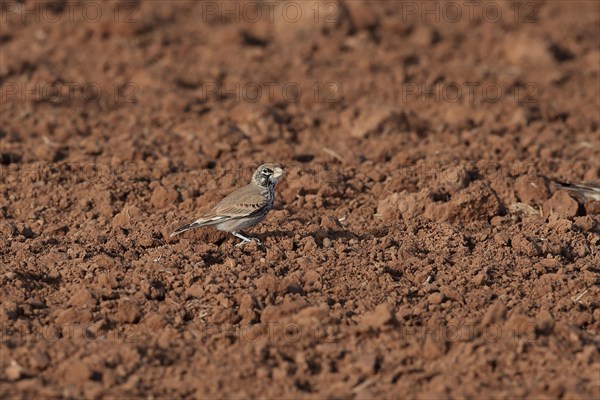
[418, 247]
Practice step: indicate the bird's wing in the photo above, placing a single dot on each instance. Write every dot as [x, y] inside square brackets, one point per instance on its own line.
[241, 203]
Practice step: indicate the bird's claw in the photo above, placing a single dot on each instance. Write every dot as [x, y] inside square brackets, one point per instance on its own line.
[244, 241]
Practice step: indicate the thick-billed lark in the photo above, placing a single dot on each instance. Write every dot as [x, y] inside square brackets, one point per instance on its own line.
[243, 208]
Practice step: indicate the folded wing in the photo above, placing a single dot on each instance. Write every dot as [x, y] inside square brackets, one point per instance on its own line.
[243, 202]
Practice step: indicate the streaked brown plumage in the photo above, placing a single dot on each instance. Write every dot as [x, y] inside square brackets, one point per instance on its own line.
[245, 207]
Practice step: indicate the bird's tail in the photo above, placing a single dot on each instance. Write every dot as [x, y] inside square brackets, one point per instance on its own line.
[203, 221]
[187, 227]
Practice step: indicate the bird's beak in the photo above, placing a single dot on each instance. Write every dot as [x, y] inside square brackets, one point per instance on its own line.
[277, 172]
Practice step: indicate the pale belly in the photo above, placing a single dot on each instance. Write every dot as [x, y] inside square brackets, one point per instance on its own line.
[240, 224]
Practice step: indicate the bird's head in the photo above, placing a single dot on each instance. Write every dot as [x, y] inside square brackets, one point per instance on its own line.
[267, 175]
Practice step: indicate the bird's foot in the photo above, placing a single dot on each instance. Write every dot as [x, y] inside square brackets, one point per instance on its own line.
[245, 239]
[248, 240]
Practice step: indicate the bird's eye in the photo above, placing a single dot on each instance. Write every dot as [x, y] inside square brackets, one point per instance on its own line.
[267, 171]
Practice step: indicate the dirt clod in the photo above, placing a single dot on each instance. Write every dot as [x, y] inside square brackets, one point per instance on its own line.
[562, 205]
[381, 316]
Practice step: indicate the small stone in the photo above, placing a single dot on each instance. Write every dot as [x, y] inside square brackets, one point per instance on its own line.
[247, 310]
[382, 315]
[435, 298]
[592, 207]
[312, 276]
[83, 297]
[28, 233]
[365, 363]
[267, 283]
[532, 189]
[479, 279]
[73, 315]
[9, 310]
[521, 326]
[451, 294]
[93, 390]
[434, 347]
[122, 220]
[163, 197]
[279, 373]
[502, 239]
[549, 265]
[273, 313]
[454, 179]
[586, 224]
[155, 322]
[498, 220]
[14, 371]
[36, 303]
[330, 223]
[494, 314]
[197, 290]
[167, 337]
[294, 288]
[582, 319]
[76, 372]
[224, 300]
[107, 280]
[482, 277]
[127, 311]
[477, 202]
[361, 15]
[321, 234]
[39, 360]
[544, 322]
[312, 314]
[561, 204]
[524, 246]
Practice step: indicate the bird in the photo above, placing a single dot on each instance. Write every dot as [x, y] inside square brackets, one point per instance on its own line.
[243, 208]
[587, 190]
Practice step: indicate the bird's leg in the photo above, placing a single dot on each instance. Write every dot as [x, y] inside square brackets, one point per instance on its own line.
[244, 239]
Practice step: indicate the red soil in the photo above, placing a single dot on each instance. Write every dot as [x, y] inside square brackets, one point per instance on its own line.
[418, 247]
